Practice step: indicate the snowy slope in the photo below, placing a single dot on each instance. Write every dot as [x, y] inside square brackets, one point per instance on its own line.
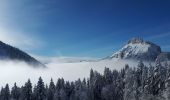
[138, 49]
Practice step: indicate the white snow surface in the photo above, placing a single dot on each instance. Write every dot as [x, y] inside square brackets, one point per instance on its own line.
[141, 51]
[134, 49]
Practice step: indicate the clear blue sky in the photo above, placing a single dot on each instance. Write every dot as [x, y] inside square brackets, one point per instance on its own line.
[90, 28]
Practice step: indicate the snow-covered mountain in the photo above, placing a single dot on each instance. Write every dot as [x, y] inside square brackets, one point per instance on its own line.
[138, 49]
[8, 52]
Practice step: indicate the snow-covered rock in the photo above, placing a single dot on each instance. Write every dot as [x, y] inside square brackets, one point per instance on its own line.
[138, 49]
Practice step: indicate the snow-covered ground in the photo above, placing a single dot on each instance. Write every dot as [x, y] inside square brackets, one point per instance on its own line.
[20, 72]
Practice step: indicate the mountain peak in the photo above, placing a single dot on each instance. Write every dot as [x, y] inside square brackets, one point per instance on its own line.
[138, 49]
[135, 40]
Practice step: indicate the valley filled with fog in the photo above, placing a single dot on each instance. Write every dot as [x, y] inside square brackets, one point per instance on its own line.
[20, 72]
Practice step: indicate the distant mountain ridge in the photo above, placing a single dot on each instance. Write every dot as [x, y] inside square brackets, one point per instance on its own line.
[139, 49]
[8, 52]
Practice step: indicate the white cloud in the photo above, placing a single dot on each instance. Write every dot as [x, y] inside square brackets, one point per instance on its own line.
[20, 72]
[63, 59]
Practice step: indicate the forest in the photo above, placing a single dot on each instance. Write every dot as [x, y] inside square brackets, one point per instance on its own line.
[151, 82]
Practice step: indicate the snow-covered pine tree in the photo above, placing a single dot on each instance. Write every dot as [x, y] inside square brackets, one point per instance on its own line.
[60, 93]
[60, 84]
[81, 91]
[156, 79]
[139, 73]
[168, 83]
[108, 77]
[129, 83]
[51, 90]
[68, 90]
[15, 92]
[120, 86]
[108, 93]
[40, 92]
[154, 84]
[91, 75]
[27, 90]
[34, 95]
[63, 94]
[96, 84]
[57, 95]
[148, 81]
[72, 94]
[5, 93]
[78, 89]
[168, 89]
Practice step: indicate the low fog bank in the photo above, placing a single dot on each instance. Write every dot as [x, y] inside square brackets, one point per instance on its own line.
[20, 72]
[63, 59]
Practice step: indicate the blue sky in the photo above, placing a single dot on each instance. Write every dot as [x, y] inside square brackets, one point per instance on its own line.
[88, 28]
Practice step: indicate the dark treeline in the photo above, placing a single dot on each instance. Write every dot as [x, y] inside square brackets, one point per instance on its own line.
[139, 83]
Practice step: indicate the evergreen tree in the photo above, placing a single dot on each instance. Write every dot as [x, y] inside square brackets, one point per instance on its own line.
[15, 92]
[60, 84]
[40, 90]
[168, 89]
[139, 73]
[96, 86]
[51, 91]
[91, 75]
[60, 95]
[108, 77]
[57, 95]
[81, 90]
[34, 95]
[27, 90]
[72, 94]
[168, 83]
[68, 90]
[129, 84]
[5, 93]
[156, 79]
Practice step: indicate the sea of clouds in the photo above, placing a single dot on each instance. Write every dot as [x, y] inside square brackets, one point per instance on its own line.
[20, 72]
